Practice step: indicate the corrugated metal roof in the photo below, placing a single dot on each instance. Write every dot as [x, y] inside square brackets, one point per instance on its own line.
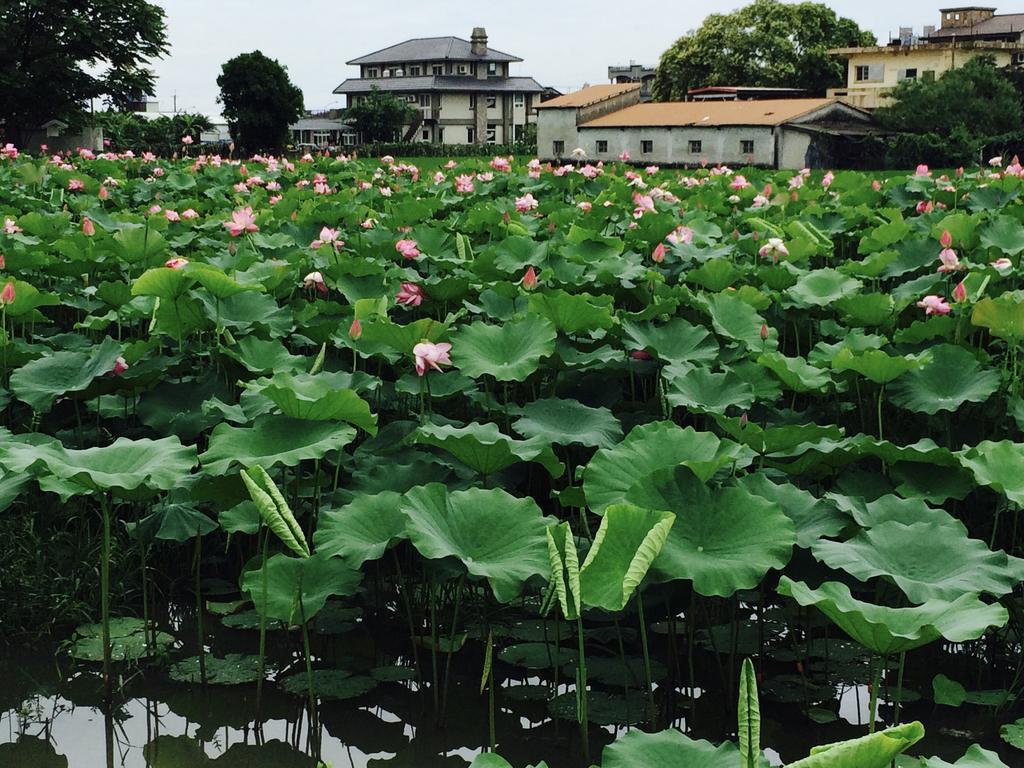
[1003, 24]
[431, 49]
[593, 94]
[709, 113]
[318, 124]
[451, 83]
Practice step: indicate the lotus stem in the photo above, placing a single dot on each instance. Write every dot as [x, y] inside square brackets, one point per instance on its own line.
[581, 691]
[876, 682]
[881, 396]
[313, 718]
[263, 629]
[647, 656]
[105, 598]
[408, 615]
[899, 688]
[433, 647]
[451, 644]
[199, 606]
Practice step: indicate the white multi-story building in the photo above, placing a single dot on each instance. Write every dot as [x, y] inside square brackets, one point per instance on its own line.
[462, 89]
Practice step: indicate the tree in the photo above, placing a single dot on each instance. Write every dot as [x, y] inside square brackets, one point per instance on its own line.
[948, 121]
[162, 135]
[767, 43]
[57, 55]
[260, 101]
[380, 116]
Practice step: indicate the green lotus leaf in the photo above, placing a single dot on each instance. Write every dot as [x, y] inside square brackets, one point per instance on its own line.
[402, 338]
[10, 487]
[484, 449]
[866, 309]
[1005, 233]
[875, 750]
[122, 467]
[267, 754]
[812, 517]
[274, 510]
[141, 244]
[509, 352]
[795, 372]
[568, 422]
[40, 382]
[162, 282]
[173, 522]
[706, 392]
[822, 287]
[624, 547]
[261, 356]
[32, 751]
[676, 341]
[667, 748]
[999, 465]
[537, 655]
[874, 364]
[1013, 734]
[920, 481]
[491, 760]
[884, 630]
[773, 440]
[868, 514]
[175, 752]
[573, 313]
[947, 691]
[734, 319]
[216, 282]
[565, 569]
[723, 540]
[313, 579]
[613, 471]
[974, 757]
[361, 530]
[233, 669]
[273, 440]
[492, 533]
[925, 561]
[952, 378]
[316, 398]
[603, 707]
[129, 641]
[1003, 316]
[329, 684]
[27, 298]
[715, 274]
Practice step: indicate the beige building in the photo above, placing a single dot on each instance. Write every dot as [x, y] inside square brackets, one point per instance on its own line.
[606, 121]
[463, 89]
[964, 33]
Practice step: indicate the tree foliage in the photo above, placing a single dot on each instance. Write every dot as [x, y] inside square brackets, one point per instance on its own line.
[380, 116]
[56, 55]
[949, 120]
[260, 101]
[161, 135]
[766, 43]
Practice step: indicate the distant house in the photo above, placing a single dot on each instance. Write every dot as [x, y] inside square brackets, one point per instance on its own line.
[462, 89]
[774, 133]
[58, 137]
[322, 131]
[742, 93]
[634, 73]
[964, 33]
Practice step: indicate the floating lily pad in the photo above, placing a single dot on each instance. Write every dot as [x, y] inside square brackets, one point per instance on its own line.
[233, 669]
[329, 684]
[128, 641]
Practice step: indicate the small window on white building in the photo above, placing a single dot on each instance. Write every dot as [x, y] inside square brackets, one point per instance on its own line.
[908, 74]
[472, 101]
[492, 101]
[558, 148]
[426, 135]
[492, 135]
[470, 135]
[520, 99]
[492, 68]
[437, 69]
[747, 146]
[696, 147]
[371, 71]
[646, 146]
[424, 99]
[602, 146]
[463, 69]
[414, 71]
[411, 98]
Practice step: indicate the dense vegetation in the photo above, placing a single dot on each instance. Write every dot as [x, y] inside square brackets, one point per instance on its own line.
[596, 425]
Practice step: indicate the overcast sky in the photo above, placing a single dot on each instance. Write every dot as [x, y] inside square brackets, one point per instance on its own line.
[564, 43]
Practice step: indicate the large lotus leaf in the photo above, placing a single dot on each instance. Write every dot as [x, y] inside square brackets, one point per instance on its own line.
[483, 448]
[361, 530]
[174, 752]
[568, 422]
[565, 569]
[884, 630]
[876, 750]
[974, 757]
[129, 641]
[775, 439]
[173, 522]
[677, 341]
[261, 356]
[723, 540]
[27, 298]
[812, 517]
[926, 561]
[890, 507]
[329, 684]
[822, 287]
[233, 669]
[162, 282]
[314, 578]
[316, 398]
[491, 760]
[703, 391]
[122, 467]
[999, 465]
[874, 364]
[648, 448]
[952, 378]
[624, 547]
[216, 282]
[495, 535]
[1003, 316]
[273, 440]
[509, 352]
[40, 382]
[10, 486]
[402, 338]
[573, 313]
[795, 372]
[734, 319]
[1013, 734]
[667, 748]
[266, 754]
[32, 751]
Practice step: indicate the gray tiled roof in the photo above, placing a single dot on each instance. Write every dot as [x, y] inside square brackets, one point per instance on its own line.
[440, 83]
[1003, 24]
[431, 49]
[318, 124]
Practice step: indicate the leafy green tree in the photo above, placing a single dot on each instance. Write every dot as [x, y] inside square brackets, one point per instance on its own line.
[161, 135]
[260, 101]
[767, 43]
[380, 116]
[57, 55]
[949, 120]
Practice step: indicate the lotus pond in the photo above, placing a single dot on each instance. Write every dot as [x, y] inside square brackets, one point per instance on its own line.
[321, 462]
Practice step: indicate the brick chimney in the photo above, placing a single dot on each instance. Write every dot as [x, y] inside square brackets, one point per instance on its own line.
[478, 41]
[964, 16]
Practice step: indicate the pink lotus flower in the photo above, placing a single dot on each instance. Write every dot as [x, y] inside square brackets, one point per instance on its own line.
[1002, 265]
[529, 281]
[795, 182]
[486, 176]
[11, 151]
[464, 184]
[242, 220]
[934, 305]
[120, 366]
[75, 185]
[775, 248]
[526, 203]
[950, 262]
[450, 164]
[355, 331]
[651, 170]
[104, 193]
[738, 182]
[409, 294]
[764, 332]
[960, 293]
[584, 206]
[624, 157]
[315, 280]
[189, 214]
[945, 239]
[88, 228]
[925, 206]
[7, 295]
[827, 179]
[408, 248]
[10, 228]
[3, 263]
[176, 263]
[644, 204]
[158, 172]
[641, 354]
[759, 201]
[186, 140]
[501, 164]
[876, 185]
[430, 355]
[172, 215]
[328, 236]
[658, 254]
[680, 235]
[439, 177]
[996, 161]
[922, 170]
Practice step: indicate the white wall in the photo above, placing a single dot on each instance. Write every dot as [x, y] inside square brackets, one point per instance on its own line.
[672, 145]
[556, 124]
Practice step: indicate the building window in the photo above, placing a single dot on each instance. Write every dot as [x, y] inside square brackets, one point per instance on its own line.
[463, 69]
[424, 99]
[411, 98]
[492, 101]
[646, 146]
[472, 101]
[908, 74]
[520, 99]
[695, 147]
[928, 76]
[414, 71]
[492, 68]
[746, 146]
[517, 131]
[371, 71]
[862, 72]
[558, 148]
[440, 135]
[437, 69]
[398, 72]
[426, 135]
[492, 136]
[602, 146]
[470, 135]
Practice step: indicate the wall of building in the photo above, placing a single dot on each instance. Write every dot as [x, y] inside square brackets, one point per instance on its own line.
[671, 146]
[556, 124]
[793, 146]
